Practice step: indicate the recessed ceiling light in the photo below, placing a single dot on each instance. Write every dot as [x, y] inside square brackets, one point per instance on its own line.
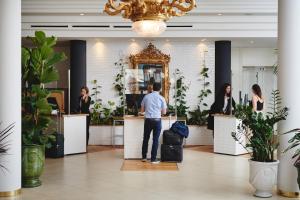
[203, 40]
[251, 42]
[132, 40]
[167, 40]
[220, 14]
[81, 14]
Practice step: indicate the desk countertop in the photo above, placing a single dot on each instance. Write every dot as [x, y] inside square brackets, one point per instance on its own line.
[75, 115]
[132, 117]
[225, 116]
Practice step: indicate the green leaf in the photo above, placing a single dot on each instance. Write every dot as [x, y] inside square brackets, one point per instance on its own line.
[56, 58]
[51, 41]
[46, 51]
[49, 75]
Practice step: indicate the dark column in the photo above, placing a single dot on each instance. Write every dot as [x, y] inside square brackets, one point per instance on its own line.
[78, 70]
[222, 64]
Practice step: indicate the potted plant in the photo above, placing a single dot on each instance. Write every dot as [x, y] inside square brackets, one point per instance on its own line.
[119, 86]
[295, 142]
[180, 95]
[106, 116]
[199, 115]
[96, 103]
[261, 142]
[38, 69]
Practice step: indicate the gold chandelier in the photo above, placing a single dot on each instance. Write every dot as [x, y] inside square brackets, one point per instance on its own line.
[149, 16]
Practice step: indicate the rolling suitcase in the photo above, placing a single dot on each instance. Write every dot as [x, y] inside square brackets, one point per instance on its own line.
[171, 138]
[171, 153]
[57, 148]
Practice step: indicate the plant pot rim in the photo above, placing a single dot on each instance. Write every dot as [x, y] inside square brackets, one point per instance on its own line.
[264, 163]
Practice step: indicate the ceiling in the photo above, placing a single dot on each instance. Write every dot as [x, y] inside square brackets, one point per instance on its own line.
[203, 6]
[241, 21]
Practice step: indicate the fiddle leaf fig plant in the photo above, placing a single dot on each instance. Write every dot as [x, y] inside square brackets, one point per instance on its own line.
[38, 69]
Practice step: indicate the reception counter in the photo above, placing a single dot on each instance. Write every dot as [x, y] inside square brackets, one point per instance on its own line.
[133, 136]
[224, 143]
[74, 133]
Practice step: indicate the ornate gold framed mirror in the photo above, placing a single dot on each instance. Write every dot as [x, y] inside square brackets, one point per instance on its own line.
[153, 66]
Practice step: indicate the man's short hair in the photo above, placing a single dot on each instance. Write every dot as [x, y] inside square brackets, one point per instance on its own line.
[156, 87]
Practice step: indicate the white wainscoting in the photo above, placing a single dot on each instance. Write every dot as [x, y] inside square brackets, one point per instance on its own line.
[102, 135]
[199, 135]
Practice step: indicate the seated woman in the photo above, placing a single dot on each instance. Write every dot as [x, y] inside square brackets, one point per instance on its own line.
[257, 99]
[222, 105]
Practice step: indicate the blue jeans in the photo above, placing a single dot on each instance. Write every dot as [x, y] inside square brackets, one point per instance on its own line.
[149, 126]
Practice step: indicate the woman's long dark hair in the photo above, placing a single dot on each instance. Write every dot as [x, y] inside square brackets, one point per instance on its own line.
[256, 89]
[222, 92]
[86, 89]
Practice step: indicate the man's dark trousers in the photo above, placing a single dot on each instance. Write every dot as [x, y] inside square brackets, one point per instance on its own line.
[151, 124]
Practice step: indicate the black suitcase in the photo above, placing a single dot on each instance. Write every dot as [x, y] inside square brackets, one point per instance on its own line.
[171, 153]
[171, 138]
[57, 149]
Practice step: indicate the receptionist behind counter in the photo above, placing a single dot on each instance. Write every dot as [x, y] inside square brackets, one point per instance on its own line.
[223, 104]
[84, 108]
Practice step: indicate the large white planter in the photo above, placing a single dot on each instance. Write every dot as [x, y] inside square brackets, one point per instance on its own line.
[263, 177]
[199, 135]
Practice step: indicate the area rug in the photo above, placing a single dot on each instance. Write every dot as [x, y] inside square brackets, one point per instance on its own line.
[138, 165]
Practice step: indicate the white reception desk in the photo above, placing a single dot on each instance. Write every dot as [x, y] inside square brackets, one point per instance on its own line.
[134, 133]
[74, 133]
[224, 143]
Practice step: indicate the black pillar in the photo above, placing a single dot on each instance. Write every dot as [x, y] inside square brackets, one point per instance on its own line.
[78, 71]
[222, 64]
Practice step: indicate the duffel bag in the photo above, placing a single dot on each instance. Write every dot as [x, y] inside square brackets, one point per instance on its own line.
[180, 128]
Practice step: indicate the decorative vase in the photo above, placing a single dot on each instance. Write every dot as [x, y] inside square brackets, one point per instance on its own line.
[33, 160]
[263, 176]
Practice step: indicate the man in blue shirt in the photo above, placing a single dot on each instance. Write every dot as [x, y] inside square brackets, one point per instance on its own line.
[154, 105]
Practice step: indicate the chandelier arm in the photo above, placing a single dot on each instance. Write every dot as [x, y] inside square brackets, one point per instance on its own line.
[112, 4]
[112, 9]
[177, 4]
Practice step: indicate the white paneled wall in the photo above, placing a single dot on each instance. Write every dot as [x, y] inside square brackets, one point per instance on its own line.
[187, 56]
[248, 57]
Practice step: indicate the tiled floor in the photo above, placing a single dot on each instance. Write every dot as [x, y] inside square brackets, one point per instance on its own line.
[97, 176]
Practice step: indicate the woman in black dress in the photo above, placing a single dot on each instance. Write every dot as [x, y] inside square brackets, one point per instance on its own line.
[222, 105]
[257, 99]
[84, 108]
